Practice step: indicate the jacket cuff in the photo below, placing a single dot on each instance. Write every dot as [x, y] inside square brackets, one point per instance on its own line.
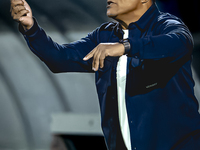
[31, 31]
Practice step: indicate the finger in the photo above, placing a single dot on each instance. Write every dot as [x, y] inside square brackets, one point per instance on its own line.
[16, 3]
[18, 9]
[102, 58]
[13, 6]
[90, 55]
[25, 3]
[96, 60]
[13, 14]
[22, 13]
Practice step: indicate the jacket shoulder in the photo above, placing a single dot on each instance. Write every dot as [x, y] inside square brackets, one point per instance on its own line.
[167, 18]
[168, 21]
[164, 16]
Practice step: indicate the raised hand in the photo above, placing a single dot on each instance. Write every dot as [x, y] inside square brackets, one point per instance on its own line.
[22, 13]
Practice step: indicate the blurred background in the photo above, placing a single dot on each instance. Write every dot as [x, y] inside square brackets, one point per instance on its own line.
[40, 110]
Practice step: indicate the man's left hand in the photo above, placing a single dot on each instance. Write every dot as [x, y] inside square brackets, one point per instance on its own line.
[103, 50]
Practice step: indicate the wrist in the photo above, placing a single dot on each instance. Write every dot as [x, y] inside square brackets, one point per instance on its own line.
[31, 31]
[28, 27]
[127, 45]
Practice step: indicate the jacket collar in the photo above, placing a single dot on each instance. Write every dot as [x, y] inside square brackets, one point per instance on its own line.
[147, 17]
[145, 20]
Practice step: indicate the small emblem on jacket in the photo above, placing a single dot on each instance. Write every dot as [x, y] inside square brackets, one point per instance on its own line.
[152, 85]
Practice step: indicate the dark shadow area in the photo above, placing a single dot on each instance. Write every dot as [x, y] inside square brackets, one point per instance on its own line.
[84, 142]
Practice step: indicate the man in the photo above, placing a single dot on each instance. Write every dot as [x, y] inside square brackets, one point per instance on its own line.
[142, 69]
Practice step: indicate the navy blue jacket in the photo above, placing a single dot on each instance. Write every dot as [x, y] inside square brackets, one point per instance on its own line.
[161, 106]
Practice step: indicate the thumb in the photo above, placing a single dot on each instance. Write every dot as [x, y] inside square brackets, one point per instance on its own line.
[26, 5]
[24, 1]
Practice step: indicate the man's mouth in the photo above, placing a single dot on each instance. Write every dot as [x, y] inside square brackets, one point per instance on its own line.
[109, 3]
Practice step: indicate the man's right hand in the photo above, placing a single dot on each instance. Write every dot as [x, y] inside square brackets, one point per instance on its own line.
[22, 13]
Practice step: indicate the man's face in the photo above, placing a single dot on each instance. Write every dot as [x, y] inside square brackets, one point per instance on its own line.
[118, 8]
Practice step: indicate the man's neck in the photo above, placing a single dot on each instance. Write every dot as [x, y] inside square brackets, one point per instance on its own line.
[134, 16]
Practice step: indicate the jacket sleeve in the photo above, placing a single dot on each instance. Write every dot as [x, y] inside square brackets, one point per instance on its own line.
[156, 58]
[60, 58]
[172, 39]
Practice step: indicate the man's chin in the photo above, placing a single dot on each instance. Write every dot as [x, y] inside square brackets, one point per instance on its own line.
[110, 15]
